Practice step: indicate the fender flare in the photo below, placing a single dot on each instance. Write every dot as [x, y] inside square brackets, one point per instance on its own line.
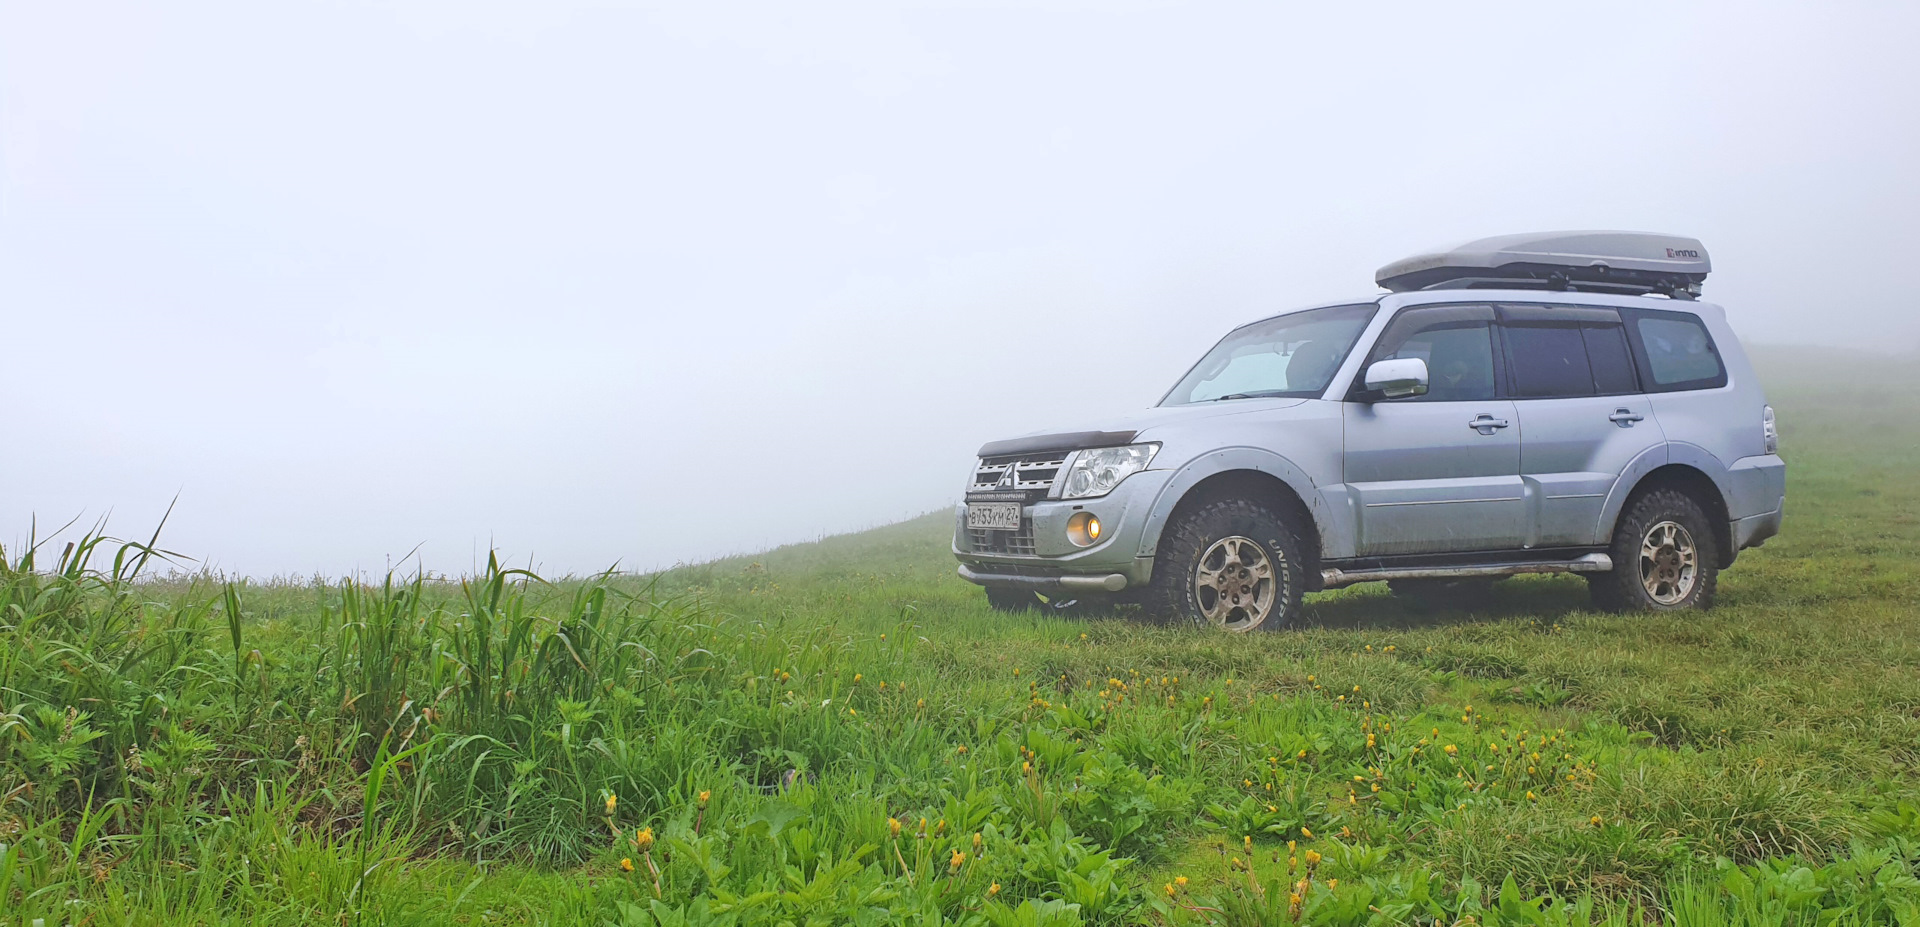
[1224, 460]
[1673, 452]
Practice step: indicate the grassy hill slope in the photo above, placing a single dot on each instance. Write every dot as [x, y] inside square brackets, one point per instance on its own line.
[842, 732]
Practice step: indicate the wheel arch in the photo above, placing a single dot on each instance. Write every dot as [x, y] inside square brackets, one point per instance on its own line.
[1243, 473]
[1698, 485]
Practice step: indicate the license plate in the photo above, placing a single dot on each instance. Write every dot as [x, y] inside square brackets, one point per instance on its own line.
[996, 516]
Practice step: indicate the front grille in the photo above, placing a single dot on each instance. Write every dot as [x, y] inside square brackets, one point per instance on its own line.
[989, 541]
[1029, 472]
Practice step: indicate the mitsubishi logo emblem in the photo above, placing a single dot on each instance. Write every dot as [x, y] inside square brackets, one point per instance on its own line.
[1007, 478]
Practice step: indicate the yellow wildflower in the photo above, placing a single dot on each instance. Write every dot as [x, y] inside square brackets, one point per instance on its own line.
[612, 800]
[644, 839]
[626, 863]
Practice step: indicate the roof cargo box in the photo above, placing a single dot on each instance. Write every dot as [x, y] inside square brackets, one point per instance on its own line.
[1614, 262]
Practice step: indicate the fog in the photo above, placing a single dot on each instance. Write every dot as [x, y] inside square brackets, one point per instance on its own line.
[599, 284]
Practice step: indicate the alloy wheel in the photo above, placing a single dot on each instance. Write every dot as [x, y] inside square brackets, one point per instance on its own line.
[1234, 584]
[1669, 563]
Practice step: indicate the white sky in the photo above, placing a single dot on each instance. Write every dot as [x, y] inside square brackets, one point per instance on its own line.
[598, 282]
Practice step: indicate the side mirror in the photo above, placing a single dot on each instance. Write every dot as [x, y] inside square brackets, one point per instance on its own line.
[1398, 378]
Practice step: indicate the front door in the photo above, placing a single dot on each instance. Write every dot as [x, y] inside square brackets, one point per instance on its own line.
[1582, 414]
[1438, 472]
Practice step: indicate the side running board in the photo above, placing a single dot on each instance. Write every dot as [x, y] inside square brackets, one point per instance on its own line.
[1589, 563]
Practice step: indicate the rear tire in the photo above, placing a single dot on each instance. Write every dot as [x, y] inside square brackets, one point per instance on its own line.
[1011, 599]
[1665, 557]
[1231, 564]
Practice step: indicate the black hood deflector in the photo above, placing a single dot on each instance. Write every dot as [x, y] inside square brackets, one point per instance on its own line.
[1064, 441]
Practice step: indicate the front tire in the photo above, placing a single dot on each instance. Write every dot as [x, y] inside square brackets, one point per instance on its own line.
[1231, 564]
[1665, 557]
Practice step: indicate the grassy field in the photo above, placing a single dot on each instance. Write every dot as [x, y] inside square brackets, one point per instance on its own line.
[841, 732]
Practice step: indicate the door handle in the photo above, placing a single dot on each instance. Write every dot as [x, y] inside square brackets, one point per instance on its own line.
[1625, 417]
[1486, 424]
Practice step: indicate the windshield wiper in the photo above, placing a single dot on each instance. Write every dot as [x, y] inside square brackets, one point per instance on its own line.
[1262, 394]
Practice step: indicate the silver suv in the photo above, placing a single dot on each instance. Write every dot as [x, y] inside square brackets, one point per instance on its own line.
[1548, 403]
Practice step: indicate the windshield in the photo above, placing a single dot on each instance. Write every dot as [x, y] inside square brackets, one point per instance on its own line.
[1293, 355]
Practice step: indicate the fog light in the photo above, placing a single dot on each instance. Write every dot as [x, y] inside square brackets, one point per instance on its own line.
[1083, 529]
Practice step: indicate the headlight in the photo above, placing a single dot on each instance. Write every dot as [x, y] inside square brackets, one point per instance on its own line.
[1096, 472]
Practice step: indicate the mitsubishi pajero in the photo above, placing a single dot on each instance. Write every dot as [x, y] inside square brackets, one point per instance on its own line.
[1546, 403]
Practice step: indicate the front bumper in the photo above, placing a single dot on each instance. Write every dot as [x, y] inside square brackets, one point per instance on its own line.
[1056, 564]
[1063, 582]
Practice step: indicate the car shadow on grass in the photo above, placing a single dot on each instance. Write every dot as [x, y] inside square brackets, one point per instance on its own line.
[1370, 606]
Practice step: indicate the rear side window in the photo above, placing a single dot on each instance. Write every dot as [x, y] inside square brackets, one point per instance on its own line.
[1675, 350]
[1612, 365]
[1548, 361]
[1565, 351]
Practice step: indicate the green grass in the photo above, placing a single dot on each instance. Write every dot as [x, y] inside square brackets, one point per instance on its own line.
[444, 753]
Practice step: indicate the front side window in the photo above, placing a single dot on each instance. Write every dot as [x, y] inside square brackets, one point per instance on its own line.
[1293, 355]
[1459, 358]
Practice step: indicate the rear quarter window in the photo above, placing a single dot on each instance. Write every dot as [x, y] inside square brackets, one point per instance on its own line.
[1675, 350]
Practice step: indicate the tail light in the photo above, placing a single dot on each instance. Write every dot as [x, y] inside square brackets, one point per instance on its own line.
[1769, 432]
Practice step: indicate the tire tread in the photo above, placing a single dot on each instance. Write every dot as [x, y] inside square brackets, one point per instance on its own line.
[1619, 589]
[1168, 599]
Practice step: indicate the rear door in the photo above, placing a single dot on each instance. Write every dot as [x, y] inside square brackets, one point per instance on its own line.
[1583, 416]
[1439, 472]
